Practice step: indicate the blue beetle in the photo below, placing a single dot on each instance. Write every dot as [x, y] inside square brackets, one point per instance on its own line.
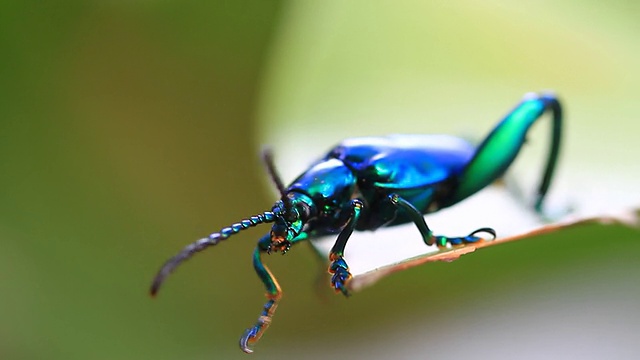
[366, 183]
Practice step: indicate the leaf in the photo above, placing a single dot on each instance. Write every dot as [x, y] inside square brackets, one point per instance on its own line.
[375, 254]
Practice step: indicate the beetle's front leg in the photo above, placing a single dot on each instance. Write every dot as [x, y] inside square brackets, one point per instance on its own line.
[253, 334]
[274, 294]
[427, 235]
[339, 267]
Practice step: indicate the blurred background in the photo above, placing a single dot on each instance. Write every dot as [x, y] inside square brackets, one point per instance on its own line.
[129, 129]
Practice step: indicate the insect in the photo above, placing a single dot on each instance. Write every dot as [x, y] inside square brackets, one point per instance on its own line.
[366, 183]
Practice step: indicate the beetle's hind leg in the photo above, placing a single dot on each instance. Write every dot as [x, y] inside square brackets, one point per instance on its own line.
[427, 235]
[499, 149]
[339, 267]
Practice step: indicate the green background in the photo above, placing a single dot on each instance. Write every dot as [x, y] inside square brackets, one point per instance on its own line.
[132, 128]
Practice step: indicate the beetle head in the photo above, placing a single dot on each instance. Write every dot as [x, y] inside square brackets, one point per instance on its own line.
[288, 216]
[292, 213]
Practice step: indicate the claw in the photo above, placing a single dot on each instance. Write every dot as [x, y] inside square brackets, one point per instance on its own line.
[487, 230]
[471, 238]
[442, 241]
[248, 338]
[339, 282]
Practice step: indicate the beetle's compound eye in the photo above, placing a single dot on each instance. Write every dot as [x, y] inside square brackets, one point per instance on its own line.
[304, 211]
[292, 215]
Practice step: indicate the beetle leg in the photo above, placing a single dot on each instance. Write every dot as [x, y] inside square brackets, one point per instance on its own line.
[427, 235]
[339, 267]
[442, 241]
[274, 294]
[500, 148]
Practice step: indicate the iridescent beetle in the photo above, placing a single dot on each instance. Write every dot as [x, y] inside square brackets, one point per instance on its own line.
[366, 183]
